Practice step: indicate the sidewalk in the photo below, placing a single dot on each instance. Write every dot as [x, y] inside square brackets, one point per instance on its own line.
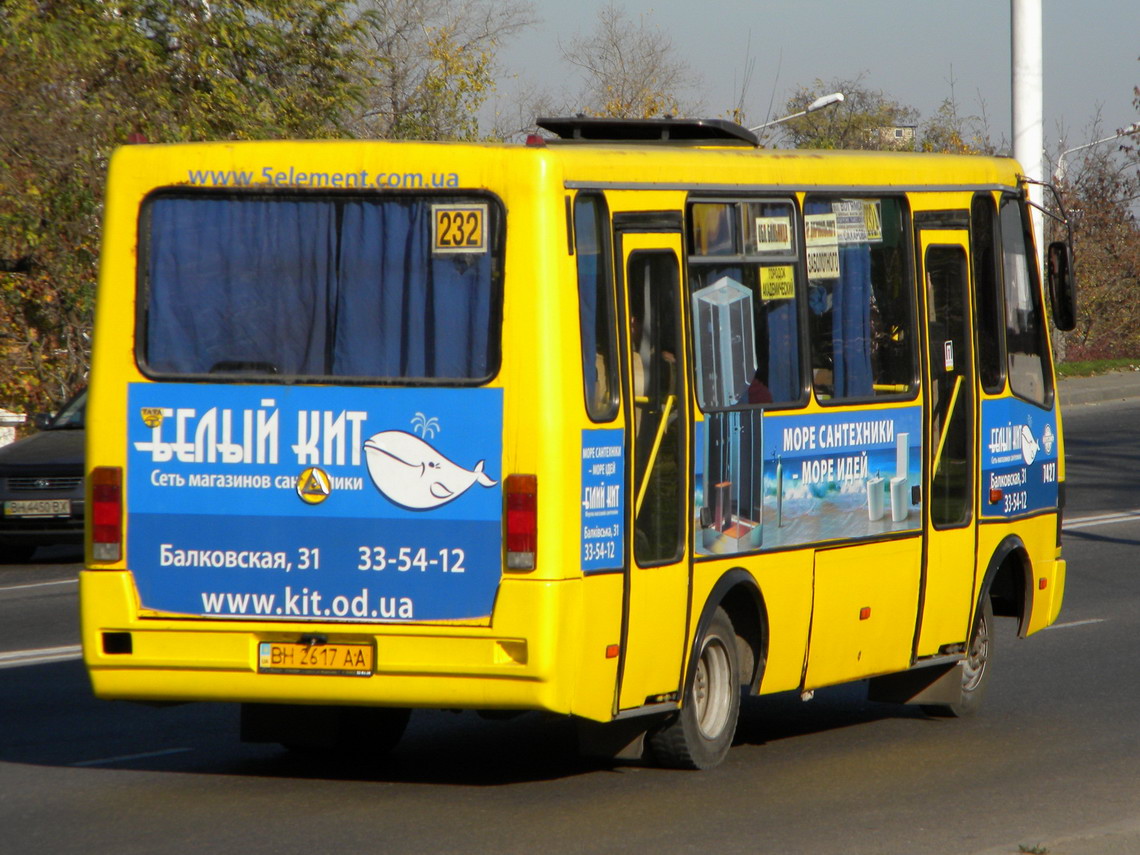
[1120, 838]
[1116, 386]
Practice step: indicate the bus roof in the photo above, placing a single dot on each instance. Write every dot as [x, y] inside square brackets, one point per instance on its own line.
[692, 155]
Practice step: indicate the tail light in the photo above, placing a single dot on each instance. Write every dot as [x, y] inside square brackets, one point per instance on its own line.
[107, 513]
[521, 493]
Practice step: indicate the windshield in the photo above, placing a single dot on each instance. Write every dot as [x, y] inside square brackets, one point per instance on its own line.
[319, 286]
[71, 416]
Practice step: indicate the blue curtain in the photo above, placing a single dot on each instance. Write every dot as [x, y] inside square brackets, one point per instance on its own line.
[314, 287]
[402, 311]
[783, 351]
[239, 282]
[783, 355]
[588, 257]
[851, 323]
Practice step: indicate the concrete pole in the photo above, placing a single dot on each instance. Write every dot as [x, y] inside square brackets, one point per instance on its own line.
[1028, 100]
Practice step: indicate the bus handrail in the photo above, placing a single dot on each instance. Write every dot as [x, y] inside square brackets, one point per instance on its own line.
[949, 412]
[669, 401]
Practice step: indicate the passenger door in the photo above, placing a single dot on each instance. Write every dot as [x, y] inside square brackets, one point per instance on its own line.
[948, 577]
[657, 430]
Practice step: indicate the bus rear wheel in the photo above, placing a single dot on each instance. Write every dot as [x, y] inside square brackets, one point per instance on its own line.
[699, 735]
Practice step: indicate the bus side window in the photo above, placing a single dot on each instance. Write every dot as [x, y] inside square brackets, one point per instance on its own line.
[744, 295]
[987, 292]
[860, 303]
[1024, 330]
[596, 308]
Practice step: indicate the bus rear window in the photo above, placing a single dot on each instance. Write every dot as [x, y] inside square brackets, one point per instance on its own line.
[377, 288]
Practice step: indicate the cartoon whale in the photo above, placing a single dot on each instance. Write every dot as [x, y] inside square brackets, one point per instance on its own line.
[412, 474]
[1029, 445]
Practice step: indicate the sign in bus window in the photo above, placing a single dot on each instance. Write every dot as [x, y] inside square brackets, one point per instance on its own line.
[459, 228]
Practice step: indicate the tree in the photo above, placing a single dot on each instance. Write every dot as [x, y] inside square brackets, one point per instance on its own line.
[631, 71]
[83, 76]
[858, 122]
[949, 131]
[431, 64]
[1099, 191]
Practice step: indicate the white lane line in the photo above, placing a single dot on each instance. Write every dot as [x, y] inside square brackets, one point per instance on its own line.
[126, 758]
[1102, 519]
[17, 658]
[1073, 623]
[38, 585]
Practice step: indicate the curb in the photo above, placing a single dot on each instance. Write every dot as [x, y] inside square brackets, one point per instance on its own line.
[1115, 386]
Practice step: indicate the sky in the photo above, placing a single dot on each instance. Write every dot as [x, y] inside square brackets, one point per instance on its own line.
[917, 52]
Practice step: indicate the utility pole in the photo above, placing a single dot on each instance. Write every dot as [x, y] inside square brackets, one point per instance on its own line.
[1028, 101]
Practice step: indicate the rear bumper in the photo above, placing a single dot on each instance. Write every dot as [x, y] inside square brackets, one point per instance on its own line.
[43, 532]
[510, 665]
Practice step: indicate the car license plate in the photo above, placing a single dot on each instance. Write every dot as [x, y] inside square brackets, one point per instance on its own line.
[38, 508]
[288, 657]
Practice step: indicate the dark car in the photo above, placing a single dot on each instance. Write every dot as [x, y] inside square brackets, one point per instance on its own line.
[41, 485]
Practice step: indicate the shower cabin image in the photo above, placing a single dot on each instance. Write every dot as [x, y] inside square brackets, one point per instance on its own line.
[731, 498]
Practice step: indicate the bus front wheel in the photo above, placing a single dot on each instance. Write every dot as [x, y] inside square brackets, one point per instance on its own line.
[699, 735]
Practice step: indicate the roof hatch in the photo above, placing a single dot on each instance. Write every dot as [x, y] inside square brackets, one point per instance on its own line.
[668, 130]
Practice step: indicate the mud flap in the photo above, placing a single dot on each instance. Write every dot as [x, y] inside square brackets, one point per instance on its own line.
[615, 740]
[939, 684]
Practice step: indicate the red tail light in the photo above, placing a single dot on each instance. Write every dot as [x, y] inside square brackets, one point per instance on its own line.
[107, 513]
[521, 493]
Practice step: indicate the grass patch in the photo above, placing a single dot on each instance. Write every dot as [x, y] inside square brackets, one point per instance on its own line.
[1096, 366]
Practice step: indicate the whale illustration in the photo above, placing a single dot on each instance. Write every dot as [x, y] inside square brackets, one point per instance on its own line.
[412, 474]
[1029, 445]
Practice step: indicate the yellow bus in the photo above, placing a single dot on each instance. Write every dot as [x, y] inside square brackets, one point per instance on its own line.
[614, 424]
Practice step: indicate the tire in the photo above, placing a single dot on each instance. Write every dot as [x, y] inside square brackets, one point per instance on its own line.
[699, 735]
[16, 553]
[371, 732]
[366, 734]
[975, 669]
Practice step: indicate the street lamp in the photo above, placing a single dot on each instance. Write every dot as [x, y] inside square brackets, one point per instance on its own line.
[818, 104]
[1059, 172]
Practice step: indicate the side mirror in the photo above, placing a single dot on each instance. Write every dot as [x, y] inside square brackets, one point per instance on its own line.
[1062, 285]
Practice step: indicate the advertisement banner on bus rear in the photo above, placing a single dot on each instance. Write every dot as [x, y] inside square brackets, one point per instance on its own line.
[315, 503]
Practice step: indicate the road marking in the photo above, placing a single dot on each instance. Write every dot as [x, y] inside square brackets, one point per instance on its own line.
[39, 585]
[126, 758]
[1102, 519]
[1073, 623]
[18, 658]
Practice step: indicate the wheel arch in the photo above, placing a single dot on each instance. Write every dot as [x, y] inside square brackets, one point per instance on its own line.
[738, 594]
[1008, 582]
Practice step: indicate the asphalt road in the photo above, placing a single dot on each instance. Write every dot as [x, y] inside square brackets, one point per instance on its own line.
[1052, 755]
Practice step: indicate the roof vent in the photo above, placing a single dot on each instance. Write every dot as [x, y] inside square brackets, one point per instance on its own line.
[668, 130]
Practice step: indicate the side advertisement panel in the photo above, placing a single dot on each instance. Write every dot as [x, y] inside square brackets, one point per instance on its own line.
[771, 481]
[603, 500]
[315, 503]
[1019, 458]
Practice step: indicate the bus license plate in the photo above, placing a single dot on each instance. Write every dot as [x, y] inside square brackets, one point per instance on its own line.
[287, 657]
[38, 508]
